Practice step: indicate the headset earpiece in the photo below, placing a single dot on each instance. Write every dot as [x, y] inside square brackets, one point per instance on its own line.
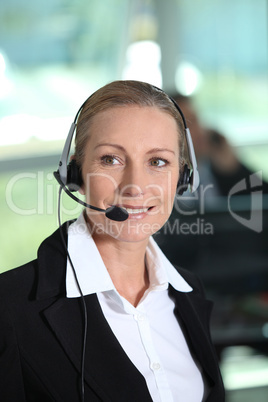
[70, 175]
[184, 179]
[74, 176]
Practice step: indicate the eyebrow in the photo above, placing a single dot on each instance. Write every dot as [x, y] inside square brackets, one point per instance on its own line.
[155, 150]
[120, 147]
[105, 144]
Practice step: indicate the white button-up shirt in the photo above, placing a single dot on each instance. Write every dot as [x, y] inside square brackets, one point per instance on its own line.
[149, 333]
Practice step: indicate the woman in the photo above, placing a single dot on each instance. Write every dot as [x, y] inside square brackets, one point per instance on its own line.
[145, 331]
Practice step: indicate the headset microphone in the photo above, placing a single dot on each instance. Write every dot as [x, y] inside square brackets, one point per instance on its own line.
[114, 213]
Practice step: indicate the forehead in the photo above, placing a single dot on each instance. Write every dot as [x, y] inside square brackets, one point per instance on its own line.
[134, 122]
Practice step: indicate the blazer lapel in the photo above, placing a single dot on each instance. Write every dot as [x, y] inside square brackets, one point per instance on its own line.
[193, 314]
[107, 366]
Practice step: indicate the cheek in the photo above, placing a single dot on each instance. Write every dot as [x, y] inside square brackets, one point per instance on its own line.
[169, 185]
[170, 191]
[99, 186]
[164, 192]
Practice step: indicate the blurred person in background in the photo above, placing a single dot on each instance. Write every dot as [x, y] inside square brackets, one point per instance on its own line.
[218, 163]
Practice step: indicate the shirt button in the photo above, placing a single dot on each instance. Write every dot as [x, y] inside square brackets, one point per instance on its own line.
[140, 317]
[155, 366]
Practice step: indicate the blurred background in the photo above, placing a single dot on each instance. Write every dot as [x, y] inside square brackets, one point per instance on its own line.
[54, 54]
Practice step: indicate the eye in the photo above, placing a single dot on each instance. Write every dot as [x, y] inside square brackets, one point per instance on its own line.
[158, 162]
[109, 160]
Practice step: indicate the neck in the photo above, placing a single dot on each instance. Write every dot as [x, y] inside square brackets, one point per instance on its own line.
[125, 263]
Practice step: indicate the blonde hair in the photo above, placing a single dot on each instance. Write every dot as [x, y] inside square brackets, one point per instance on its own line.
[123, 94]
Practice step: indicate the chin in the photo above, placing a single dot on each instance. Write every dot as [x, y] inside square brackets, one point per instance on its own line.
[136, 230]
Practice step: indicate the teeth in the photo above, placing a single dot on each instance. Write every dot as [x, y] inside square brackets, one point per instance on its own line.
[136, 211]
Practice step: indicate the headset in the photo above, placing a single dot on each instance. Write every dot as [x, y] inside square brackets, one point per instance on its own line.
[70, 180]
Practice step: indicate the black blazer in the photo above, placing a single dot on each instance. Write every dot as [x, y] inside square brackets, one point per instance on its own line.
[41, 334]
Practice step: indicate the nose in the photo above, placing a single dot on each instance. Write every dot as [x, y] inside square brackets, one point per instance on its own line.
[134, 181]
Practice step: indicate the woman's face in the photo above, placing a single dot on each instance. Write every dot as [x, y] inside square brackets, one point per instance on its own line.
[131, 160]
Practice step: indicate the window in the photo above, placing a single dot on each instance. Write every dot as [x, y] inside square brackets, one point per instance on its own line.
[54, 54]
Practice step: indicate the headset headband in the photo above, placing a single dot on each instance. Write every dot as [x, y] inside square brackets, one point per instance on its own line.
[193, 179]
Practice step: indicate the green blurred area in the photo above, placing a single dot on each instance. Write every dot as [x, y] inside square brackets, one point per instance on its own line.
[28, 213]
[53, 55]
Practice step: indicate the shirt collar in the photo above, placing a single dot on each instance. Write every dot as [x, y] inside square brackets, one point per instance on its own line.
[92, 274]
[161, 271]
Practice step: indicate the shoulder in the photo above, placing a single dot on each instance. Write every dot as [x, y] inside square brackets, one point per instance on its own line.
[22, 282]
[15, 276]
[18, 280]
[16, 289]
[22, 278]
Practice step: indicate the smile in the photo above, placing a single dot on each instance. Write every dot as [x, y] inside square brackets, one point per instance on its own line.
[132, 211]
